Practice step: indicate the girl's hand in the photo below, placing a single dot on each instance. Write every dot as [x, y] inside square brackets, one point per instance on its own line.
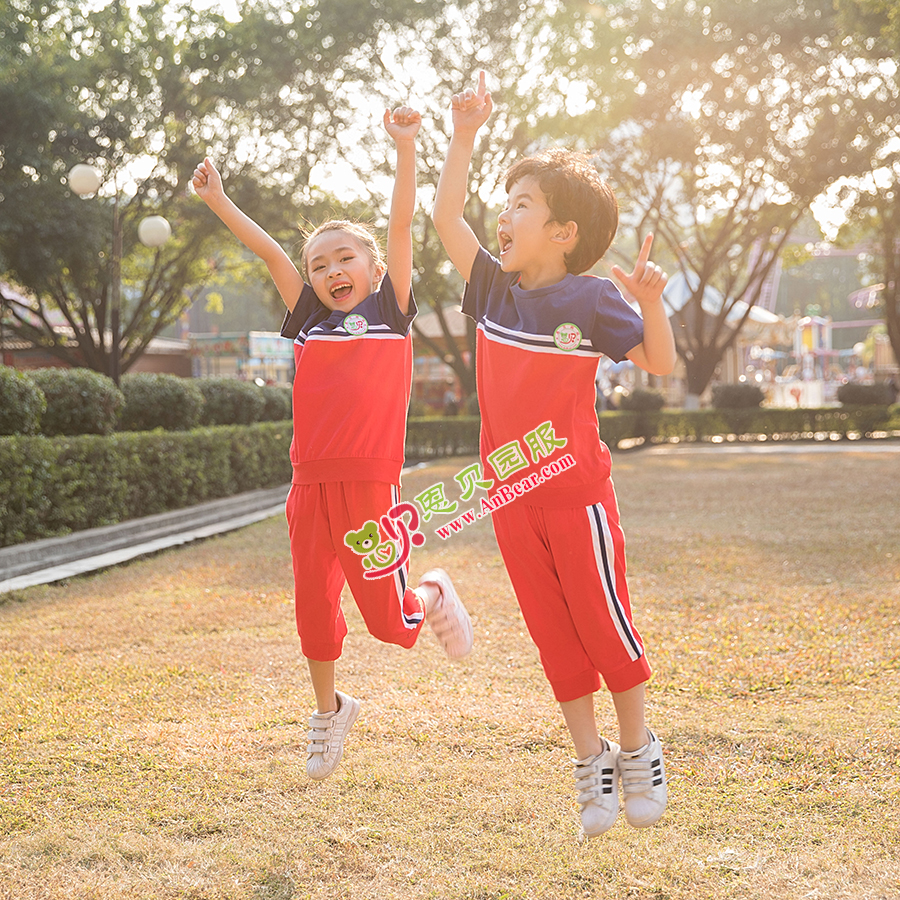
[402, 124]
[471, 108]
[646, 283]
[207, 181]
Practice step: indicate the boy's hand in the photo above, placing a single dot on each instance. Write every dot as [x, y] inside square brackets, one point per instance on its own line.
[207, 181]
[471, 108]
[646, 283]
[402, 124]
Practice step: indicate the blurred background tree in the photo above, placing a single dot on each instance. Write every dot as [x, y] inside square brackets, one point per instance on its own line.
[872, 34]
[728, 119]
[718, 124]
[144, 93]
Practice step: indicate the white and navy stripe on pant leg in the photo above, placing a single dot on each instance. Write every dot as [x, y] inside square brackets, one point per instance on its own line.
[410, 620]
[605, 557]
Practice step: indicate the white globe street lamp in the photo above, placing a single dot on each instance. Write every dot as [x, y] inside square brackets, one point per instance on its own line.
[153, 231]
[84, 179]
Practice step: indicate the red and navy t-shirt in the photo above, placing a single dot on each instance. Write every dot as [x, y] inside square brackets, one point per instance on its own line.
[351, 388]
[537, 354]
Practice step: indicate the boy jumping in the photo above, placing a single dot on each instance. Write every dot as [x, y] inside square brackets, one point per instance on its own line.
[542, 328]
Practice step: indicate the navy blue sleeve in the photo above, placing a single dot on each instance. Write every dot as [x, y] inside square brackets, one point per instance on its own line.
[617, 328]
[485, 271]
[308, 306]
[386, 300]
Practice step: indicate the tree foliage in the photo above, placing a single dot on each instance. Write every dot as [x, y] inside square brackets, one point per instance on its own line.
[871, 30]
[430, 60]
[717, 123]
[145, 93]
[732, 118]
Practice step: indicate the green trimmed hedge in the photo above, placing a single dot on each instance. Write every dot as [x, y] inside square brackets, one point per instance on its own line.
[278, 402]
[698, 425]
[79, 401]
[230, 401]
[22, 403]
[741, 395]
[52, 486]
[643, 400]
[853, 394]
[432, 438]
[71, 402]
[159, 400]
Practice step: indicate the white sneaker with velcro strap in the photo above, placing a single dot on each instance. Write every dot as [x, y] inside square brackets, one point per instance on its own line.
[597, 783]
[326, 736]
[447, 617]
[643, 776]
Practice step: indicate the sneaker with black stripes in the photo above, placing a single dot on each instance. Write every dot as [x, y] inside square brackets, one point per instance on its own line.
[643, 776]
[597, 783]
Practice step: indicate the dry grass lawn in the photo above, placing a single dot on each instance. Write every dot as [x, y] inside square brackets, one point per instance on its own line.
[153, 717]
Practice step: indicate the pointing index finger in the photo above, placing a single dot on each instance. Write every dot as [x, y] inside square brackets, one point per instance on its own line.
[482, 86]
[644, 255]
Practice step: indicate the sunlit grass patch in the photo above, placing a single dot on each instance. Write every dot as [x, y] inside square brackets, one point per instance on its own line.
[153, 718]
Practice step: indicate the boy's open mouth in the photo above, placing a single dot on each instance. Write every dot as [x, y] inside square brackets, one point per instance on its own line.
[505, 242]
[340, 291]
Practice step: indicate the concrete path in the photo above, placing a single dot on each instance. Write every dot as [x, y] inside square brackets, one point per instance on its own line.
[54, 559]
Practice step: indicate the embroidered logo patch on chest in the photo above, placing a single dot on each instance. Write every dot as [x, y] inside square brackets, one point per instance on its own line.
[357, 325]
[567, 336]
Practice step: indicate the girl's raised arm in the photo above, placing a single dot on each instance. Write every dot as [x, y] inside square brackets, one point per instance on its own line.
[207, 183]
[402, 125]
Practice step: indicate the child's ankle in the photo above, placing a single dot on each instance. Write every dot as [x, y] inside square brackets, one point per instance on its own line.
[632, 742]
[430, 595]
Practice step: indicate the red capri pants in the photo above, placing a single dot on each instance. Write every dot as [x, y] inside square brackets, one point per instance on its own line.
[319, 516]
[567, 567]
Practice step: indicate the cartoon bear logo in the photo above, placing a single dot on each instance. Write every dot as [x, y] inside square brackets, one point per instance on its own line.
[567, 337]
[365, 540]
[356, 325]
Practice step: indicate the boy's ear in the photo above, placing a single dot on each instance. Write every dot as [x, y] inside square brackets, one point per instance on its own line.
[566, 233]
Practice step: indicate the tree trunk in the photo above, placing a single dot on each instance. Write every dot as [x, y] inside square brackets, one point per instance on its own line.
[701, 368]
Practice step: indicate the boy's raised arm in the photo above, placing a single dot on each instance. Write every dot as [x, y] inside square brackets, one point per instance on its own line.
[471, 109]
[656, 353]
[207, 183]
[402, 125]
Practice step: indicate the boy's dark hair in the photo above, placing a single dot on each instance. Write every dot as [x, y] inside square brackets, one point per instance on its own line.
[575, 192]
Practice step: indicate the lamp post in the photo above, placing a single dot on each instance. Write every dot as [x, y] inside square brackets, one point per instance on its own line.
[153, 231]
